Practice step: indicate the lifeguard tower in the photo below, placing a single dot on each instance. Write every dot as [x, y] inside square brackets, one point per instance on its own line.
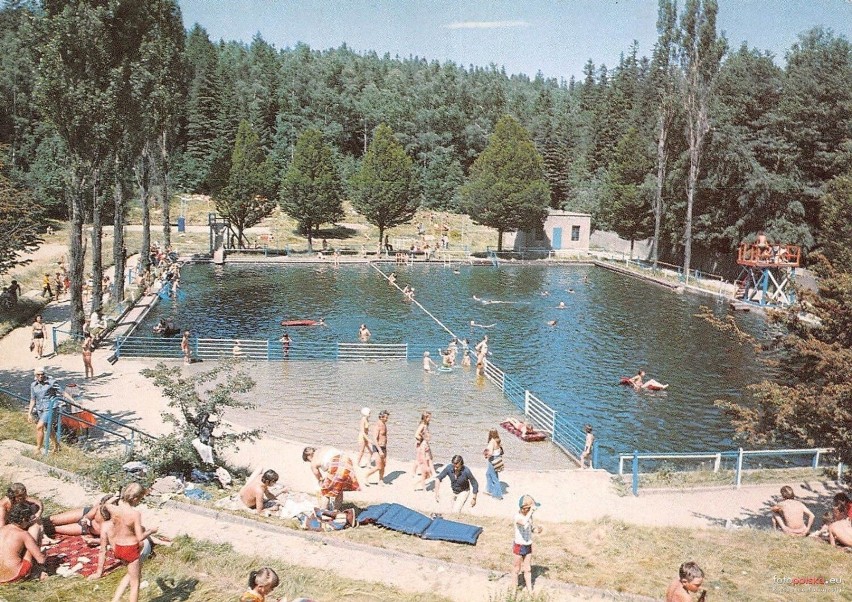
[766, 274]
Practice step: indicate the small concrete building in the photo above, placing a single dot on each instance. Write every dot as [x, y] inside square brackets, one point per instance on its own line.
[563, 232]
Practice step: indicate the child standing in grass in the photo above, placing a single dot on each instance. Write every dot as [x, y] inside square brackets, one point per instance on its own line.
[690, 580]
[123, 531]
[261, 582]
[522, 544]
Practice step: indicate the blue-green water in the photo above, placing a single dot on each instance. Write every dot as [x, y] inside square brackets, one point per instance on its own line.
[611, 326]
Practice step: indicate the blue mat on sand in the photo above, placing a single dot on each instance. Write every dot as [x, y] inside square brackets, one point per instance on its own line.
[405, 520]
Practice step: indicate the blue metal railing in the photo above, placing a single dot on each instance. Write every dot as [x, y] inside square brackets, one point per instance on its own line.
[73, 410]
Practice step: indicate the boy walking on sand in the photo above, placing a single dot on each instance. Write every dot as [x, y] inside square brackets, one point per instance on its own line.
[788, 514]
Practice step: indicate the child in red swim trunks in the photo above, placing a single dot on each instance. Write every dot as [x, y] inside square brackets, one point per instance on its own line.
[123, 531]
[18, 549]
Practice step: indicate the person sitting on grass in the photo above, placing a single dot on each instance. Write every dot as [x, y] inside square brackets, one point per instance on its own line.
[840, 533]
[18, 549]
[17, 494]
[690, 579]
[255, 493]
[788, 514]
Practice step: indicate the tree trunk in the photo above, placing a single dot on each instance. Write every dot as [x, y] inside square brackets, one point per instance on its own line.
[632, 241]
[381, 240]
[143, 180]
[499, 240]
[76, 253]
[662, 155]
[164, 171]
[118, 232]
[698, 127]
[97, 244]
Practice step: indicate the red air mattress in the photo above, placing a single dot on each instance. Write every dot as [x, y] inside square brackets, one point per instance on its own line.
[300, 322]
[530, 436]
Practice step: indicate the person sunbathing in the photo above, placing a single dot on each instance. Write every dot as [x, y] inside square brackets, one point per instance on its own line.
[789, 514]
[18, 549]
[86, 521]
[650, 384]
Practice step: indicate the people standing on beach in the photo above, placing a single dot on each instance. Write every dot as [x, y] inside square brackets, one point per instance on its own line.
[260, 584]
[285, 345]
[789, 515]
[123, 531]
[522, 542]
[334, 472]
[689, 581]
[184, 347]
[587, 448]
[20, 553]
[44, 399]
[380, 448]
[364, 333]
[365, 442]
[423, 451]
[87, 347]
[494, 454]
[37, 344]
[462, 483]
[428, 364]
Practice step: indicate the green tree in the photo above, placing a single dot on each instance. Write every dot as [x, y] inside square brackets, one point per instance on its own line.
[21, 219]
[384, 190]
[312, 190]
[700, 53]
[441, 179]
[627, 196]
[836, 206]
[210, 392]
[507, 189]
[662, 80]
[250, 192]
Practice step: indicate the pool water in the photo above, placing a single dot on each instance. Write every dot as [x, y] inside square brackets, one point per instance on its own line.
[611, 326]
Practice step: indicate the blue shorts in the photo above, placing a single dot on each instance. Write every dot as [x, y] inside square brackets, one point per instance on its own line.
[521, 549]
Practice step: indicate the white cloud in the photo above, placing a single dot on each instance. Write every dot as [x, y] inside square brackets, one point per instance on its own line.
[485, 24]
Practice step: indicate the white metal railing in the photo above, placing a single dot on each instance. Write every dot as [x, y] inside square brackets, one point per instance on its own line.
[372, 351]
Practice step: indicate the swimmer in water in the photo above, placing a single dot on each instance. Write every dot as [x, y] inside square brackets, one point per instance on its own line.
[561, 305]
[475, 325]
[428, 364]
[553, 322]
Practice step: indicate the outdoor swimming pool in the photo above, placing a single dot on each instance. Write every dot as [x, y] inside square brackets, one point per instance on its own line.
[611, 326]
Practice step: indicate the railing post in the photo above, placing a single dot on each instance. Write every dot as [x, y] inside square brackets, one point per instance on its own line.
[635, 472]
[739, 476]
[620, 465]
[816, 460]
[717, 462]
[53, 337]
[840, 473]
[268, 351]
[51, 405]
[526, 402]
[595, 454]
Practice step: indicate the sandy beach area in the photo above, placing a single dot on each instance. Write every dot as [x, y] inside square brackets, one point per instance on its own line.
[121, 391]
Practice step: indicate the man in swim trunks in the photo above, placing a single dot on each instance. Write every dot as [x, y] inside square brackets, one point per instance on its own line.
[364, 333]
[18, 549]
[381, 448]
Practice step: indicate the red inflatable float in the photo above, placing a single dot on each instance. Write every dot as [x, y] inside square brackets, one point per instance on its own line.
[649, 386]
[527, 433]
[302, 322]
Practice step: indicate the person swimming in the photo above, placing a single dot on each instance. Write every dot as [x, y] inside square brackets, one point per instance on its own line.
[473, 324]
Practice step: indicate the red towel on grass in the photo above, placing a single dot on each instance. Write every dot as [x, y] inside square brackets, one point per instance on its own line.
[71, 549]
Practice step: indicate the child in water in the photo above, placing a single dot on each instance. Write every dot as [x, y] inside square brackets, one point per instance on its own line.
[428, 364]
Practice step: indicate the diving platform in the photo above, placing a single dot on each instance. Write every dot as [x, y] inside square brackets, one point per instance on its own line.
[767, 274]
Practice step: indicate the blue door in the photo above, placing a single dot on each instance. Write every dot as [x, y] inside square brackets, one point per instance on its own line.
[556, 242]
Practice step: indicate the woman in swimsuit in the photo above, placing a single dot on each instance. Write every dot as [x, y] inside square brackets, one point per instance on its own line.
[38, 337]
[423, 450]
[86, 521]
[365, 443]
[88, 345]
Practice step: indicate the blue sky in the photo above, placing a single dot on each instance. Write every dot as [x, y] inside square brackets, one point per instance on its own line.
[556, 37]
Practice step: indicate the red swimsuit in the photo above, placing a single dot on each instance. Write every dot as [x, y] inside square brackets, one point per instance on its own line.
[126, 553]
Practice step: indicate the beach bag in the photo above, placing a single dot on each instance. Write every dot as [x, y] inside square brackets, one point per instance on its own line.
[497, 463]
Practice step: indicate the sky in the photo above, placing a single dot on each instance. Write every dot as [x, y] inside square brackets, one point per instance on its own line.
[555, 37]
